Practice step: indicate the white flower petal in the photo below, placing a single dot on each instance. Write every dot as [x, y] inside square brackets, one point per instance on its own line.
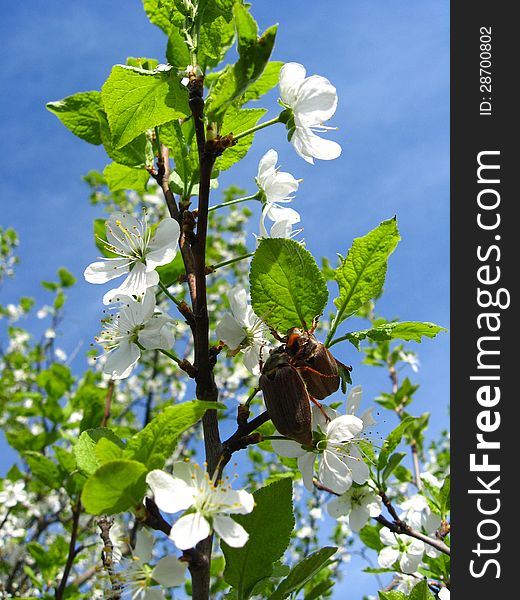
[344, 428]
[444, 594]
[334, 473]
[122, 360]
[267, 165]
[171, 494]
[144, 545]
[309, 145]
[409, 563]
[231, 532]
[238, 303]
[136, 284]
[387, 557]
[230, 332]
[387, 537]
[170, 571]
[339, 506]
[358, 518]
[358, 468]
[306, 467]
[316, 103]
[291, 77]
[354, 400]
[163, 245]
[289, 448]
[252, 359]
[189, 530]
[106, 270]
[150, 594]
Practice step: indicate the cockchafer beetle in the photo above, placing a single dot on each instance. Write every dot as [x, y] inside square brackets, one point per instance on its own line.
[316, 365]
[286, 397]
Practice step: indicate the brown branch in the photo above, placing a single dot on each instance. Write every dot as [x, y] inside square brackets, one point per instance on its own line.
[104, 524]
[60, 590]
[402, 528]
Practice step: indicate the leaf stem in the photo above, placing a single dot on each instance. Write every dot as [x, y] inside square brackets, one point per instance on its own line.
[256, 128]
[231, 202]
[230, 261]
[164, 289]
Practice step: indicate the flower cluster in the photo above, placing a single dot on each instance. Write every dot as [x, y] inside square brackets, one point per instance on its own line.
[138, 251]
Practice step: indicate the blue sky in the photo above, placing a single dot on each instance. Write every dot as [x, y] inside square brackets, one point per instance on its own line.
[390, 64]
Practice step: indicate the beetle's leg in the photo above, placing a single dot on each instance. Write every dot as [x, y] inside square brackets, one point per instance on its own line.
[320, 406]
[311, 370]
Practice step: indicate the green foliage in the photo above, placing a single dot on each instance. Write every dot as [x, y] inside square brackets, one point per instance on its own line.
[303, 572]
[254, 53]
[269, 527]
[236, 121]
[115, 487]
[136, 100]
[421, 592]
[392, 441]
[79, 113]
[154, 444]
[361, 274]
[392, 595]
[43, 468]
[405, 330]
[287, 287]
[85, 449]
[121, 177]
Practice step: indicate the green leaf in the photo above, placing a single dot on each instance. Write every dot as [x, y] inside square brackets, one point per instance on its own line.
[169, 274]
[44, 469]
[392, 595]
[160, 13]
[266, 82]
[135, 154]
[156, 442]
[444, 496]
[421, 592]
[269, 527]
[235, 79]
[405, 330]
[287, 287]
[121, 177]
[392, 464]
[236, 121]
[319, 591]
[177, 52]
[67, 279]
[136, 100]
[217, 33]
[303, 572]
[392, 441]
[369, 535]
[115, 487]
[79, 113]
[84, 450]
[106, 450]
[361, 274]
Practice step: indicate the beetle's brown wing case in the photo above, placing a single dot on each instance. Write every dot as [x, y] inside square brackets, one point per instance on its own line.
[287, 403]
[321, 375]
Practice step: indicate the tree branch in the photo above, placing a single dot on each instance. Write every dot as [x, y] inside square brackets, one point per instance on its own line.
[76, 511]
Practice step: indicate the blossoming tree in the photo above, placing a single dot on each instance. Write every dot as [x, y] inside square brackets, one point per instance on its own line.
[124, 488]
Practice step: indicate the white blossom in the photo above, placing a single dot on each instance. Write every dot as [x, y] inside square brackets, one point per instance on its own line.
[13, 493]
[336, 447]
[140, 252]
[358, 504]
[140, 577]
[444, 594]
[276, 185]
[207, 503]
[137, 324]
[242, 330]
[312, 100]
[420, 517]
[404, 548]
[411, 359]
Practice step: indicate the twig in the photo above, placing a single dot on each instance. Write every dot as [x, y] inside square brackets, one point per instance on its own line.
[76, 511]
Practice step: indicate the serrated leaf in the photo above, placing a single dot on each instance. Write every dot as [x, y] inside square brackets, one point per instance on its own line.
[121, 177]
[156, 442]
[444, 496]
[235, 79]
[287, 286]
[79, 113]
[266, 82]
[236, 121]
[361, 274]
[303, 572]
[392, 441]
[136, 100]
[421, 592]
[392, 464]
[160, 13]
[84, 449]
[135, 154]
[392, 595]
[405, 330]
[269, 527]
[115, 487]
[43, 468]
